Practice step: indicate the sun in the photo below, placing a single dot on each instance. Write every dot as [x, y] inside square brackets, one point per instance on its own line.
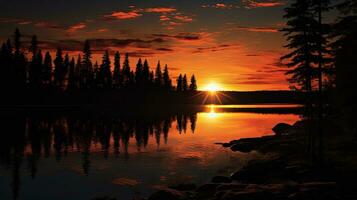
[212, 87]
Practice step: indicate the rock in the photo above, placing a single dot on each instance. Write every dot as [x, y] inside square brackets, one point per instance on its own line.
[260, 171]
[184, 187]
[249, 144]
[168, 194]
[221, 179]
[282, 129]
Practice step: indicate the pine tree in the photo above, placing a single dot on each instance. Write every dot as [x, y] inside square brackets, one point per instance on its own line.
[17, 42]
[78, 71]
[166, 79]
[151, 77]
[193, 84]
[302, 41]
[146, 72]
[19, 70]
[34, 71]
[71, 75]
[87, 70]
[106, 77]
[66, 66]
[126, 70]
[46, 71]
[96, 75]
[116, 73]
[179, 86]
[34, 46]
[59, 69]
[139, 73]
[184, 83]
[35, 67]
[158, 75]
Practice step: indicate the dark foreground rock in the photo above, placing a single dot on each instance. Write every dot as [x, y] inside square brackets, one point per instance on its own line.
[282, 129]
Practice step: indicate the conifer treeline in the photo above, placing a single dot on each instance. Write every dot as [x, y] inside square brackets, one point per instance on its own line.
[42, 72]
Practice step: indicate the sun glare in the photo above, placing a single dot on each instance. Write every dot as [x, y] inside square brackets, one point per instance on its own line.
[212, 87]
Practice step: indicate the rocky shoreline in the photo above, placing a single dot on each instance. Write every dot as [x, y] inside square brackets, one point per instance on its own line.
[287, 170]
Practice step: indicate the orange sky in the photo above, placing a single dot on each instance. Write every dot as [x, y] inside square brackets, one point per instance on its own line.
[235, 44]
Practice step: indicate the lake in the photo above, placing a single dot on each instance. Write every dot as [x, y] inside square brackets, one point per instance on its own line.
[81, 156]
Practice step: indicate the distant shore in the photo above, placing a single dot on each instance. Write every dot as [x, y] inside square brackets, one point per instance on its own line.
[141, 97]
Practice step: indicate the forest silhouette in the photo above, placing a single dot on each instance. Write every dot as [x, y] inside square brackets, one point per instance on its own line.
[41, 79]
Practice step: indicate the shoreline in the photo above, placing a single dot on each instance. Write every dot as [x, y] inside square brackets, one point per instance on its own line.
[289, 169]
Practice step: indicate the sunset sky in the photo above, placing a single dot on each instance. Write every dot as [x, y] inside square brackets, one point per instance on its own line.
[234, 43]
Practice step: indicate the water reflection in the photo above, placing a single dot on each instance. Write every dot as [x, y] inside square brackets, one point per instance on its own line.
[157, 149]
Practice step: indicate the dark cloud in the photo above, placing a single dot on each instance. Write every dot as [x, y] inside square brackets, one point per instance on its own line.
[180, 36]
[165, 49]
[213, 48]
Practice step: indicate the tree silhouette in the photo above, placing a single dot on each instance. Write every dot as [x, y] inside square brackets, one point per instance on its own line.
[71, 75]
[184, 83]
[193, 84]
[86, 68]
[139, 73]
[158, 75]
[59, 69]
[166, 79]
[20, 61]
[78, 71]
[117, 83]
[68, 74]
[34, 71]
[105, 73]
[302, 42]
[46, 71]
[126, 70]
[179, 86]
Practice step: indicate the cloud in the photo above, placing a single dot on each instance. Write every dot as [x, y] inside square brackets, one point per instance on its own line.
[248, 4]
[76, 27]
[123, 15]
[255, 4]
[16, 21]
[214, 48]
[183, 18]
[160, 10]
[180, 36]
[164, 18]
[221, 6]
[164, 49]
[258, 29]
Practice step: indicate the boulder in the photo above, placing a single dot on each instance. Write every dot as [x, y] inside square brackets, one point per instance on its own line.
[282, 129]
[246, 145]
[260, 171]
[221, 179]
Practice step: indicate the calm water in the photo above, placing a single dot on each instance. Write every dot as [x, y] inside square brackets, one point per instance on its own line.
[81, 157]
